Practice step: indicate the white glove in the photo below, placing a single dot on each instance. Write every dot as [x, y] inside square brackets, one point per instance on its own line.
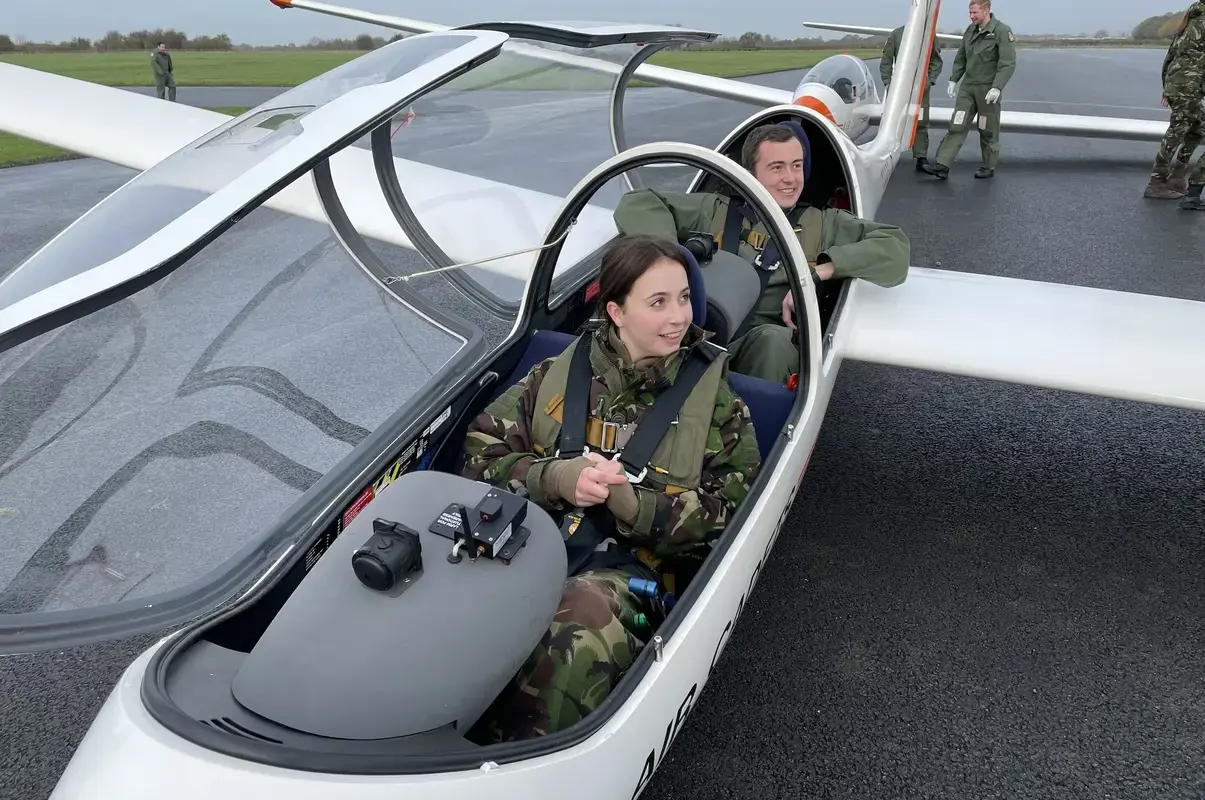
[992, 95]
[952, 89]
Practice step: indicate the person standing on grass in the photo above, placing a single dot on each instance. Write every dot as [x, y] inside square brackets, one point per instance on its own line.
[161, 66]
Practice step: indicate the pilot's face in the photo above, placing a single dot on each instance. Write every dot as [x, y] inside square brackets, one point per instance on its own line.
[656, 313]
[780, 170]
[979, 14]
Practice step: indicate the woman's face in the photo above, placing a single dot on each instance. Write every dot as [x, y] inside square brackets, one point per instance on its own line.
[656, 313]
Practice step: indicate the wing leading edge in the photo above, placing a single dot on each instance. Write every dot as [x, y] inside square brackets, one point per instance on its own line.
[1074, 338]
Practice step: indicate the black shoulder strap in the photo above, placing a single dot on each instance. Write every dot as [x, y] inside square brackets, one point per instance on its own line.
[648, 434]
[576, 407]
[769, 258]
[732, 225]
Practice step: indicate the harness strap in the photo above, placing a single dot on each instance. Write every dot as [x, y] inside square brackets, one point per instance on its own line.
[583, 530]
[577, 401]
[649, 433]
[737, 212]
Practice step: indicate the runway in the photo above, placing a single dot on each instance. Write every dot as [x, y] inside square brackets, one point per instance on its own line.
[983, 590]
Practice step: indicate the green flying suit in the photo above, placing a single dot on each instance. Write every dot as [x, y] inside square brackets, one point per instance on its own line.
[920, 145]
[857, 248]
[986, 60]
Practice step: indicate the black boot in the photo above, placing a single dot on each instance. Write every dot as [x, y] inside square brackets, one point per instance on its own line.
[921, 163]
[985, 172]
[1192, 200]
[937, 170]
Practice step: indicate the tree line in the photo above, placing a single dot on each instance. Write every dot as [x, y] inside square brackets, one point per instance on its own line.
[1160, 26]
[1151, 30]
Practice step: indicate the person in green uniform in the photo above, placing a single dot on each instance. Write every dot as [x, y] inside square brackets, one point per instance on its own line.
[986, 60]
[835, 242]
[165, 78]
[920, 144]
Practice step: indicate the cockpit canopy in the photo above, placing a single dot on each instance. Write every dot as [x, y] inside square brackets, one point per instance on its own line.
[199, 361]
[849, 77]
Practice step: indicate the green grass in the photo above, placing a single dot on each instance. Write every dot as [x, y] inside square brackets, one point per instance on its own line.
[17, 151]
[292, 67]
[741, 63]
[235, 68]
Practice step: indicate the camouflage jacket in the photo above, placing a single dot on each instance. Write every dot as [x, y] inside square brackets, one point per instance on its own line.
[887, 62]
[1184, 64]
[500, 448]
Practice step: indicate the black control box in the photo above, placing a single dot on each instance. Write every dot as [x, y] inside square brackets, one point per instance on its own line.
[496, 519]
[494, 525]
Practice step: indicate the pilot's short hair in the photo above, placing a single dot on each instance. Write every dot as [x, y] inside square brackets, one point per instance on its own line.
[773, 132]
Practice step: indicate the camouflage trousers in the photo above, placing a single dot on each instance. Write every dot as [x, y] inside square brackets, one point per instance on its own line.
[593, 638]
[1185, 131]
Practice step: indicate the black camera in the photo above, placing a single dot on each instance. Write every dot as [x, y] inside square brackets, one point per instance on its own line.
[393, 552]
[701, 245]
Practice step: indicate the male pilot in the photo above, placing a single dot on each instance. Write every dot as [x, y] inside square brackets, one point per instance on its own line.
[836, 243]
[986, 61]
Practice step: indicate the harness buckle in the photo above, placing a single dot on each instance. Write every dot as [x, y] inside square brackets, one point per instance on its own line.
[632, 479]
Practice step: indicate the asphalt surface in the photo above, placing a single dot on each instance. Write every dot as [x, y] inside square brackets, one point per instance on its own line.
[984, 590]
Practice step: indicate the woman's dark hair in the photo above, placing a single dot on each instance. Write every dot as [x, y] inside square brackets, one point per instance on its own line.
[625, 261]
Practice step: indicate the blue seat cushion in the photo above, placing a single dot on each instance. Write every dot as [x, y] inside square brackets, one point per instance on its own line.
[769, 403]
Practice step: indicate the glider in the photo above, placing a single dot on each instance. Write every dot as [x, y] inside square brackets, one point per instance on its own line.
[199, 444]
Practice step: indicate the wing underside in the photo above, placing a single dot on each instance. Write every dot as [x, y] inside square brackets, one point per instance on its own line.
[1075, 338]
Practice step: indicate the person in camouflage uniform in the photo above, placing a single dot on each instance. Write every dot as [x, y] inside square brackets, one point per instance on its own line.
[920, 143]
[676, 512]
[1183, 88]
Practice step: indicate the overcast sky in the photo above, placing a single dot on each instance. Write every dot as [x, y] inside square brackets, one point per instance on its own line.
[259, 22]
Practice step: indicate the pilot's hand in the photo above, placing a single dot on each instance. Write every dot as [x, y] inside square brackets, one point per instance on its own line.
[992, 95]
[581, 481]
[1163, 101]
[594, 484]
[952, 89]
[788, 310]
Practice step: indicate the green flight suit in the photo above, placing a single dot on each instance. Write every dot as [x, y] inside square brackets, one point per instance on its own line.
[165, 79]
[920, 144]
[857, 248]
[987, 59]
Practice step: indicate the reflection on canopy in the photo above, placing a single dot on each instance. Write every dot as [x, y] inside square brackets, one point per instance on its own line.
[524, 130]
[143, 445]
[849, 77]
[180, 182]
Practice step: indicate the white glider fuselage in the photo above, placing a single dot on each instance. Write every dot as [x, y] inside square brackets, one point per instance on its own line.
[1106, 343]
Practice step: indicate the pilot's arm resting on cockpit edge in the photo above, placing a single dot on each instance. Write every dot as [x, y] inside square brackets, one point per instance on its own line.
[668, 520]
[857, 248]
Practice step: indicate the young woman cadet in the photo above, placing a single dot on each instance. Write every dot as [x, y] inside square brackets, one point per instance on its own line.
[694, 480]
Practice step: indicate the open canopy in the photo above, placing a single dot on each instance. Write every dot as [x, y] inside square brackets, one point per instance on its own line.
[181, 367]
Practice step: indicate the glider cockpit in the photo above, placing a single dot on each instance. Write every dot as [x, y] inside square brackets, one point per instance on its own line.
[200, 377]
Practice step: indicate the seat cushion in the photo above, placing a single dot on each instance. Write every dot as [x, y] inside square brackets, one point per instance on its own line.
[769, 403]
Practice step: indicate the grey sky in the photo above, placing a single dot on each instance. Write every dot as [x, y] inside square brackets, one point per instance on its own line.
[259, 22]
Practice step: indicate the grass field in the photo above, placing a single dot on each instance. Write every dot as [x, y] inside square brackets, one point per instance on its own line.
[292, 67]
